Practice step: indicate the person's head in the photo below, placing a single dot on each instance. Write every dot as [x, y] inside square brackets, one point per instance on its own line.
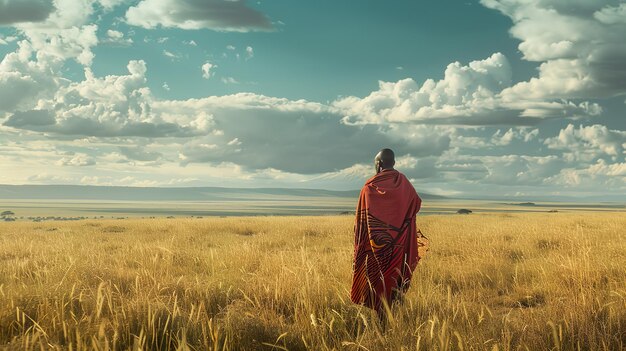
[385, 159]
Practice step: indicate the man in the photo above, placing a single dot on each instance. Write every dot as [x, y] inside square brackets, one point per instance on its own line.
[385, 236]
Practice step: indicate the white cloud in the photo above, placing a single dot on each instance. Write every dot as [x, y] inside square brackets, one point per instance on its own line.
[171, 55]
[586, 143]
[114, 34]
[110, 4]
[165, 86]
[64, 34]
[588, 158]
[7, 40]
[591, 178]
[466, 95]
[580, 44]
[611, 14]
[117, 38]
[581, 50]
[208, 69]
[66, 43]
[612, 170]
[78, 160]
[23, 81]
[241, 101]
[217, 15]
[235, 127]
[506, 138]
[257, 139]
[234, 142]
[464, 91]
[459, 141]
[229, 80]
[106, 107]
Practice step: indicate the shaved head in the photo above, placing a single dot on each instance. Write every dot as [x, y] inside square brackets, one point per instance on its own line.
[385, 159]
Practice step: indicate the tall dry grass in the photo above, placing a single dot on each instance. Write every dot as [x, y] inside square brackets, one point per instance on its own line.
[552, 281]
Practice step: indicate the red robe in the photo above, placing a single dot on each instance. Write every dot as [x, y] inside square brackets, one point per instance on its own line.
[385, 239]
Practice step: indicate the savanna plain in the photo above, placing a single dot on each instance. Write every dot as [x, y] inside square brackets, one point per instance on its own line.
[490, 281]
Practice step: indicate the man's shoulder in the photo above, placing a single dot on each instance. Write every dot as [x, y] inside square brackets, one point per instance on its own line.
[402, 176]
[406, 180]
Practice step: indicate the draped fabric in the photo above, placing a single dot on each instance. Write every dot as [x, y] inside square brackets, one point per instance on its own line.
[385, 239]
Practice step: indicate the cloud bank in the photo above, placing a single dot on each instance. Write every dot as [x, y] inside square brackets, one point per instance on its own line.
[474, 128]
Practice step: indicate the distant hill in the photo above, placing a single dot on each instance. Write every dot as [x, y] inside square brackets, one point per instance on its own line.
[119, 193]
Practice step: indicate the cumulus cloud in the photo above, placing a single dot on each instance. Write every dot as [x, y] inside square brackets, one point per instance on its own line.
[78, 160]
[581, 52]
[257, 139]
[109, 106]
[74, 42]
[587, 157]
[580, 45]
[466, 95]
[117, 38]
[64, 34]
[67, 14]
[600, 174]
[234, 16]
[110, 4]
[23, 80]
[612, 170]
[208, 70]
[586, 143]
[252, 131]
[18, 11]
[506, 138]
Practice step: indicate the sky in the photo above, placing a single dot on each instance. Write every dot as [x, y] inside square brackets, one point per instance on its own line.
[515, 98]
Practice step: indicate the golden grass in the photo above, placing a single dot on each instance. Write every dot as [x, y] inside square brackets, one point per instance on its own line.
[491, 282]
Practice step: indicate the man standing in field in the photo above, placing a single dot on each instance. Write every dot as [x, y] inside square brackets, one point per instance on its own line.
[385, 236]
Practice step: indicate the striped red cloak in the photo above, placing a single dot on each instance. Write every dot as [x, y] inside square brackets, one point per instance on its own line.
[385, 239]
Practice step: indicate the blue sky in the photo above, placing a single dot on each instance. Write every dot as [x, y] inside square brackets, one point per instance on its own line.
[318, 51]
[513, 97]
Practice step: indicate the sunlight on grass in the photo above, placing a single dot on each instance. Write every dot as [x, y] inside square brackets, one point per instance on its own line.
[490, 282]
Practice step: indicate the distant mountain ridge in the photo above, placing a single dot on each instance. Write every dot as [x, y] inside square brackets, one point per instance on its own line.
[120, 193]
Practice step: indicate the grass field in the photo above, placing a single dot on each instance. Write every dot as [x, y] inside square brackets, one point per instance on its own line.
[531, 281]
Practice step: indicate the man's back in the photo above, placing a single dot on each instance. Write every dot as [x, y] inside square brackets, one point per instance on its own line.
[385, 243]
